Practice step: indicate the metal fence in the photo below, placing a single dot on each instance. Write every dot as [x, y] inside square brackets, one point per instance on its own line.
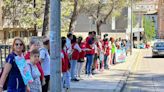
[4, 51]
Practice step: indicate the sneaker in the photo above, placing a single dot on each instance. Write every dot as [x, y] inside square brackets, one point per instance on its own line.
[91, 76]
[75, 80]
[107, 68]
[95, 71]
[101, 70]
[86, 76]
[80, 78]
[67, 90]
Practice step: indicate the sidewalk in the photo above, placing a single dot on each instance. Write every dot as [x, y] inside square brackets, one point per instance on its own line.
[111, 80]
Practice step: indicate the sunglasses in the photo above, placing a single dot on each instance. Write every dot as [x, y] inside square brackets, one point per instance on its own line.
[20, 44]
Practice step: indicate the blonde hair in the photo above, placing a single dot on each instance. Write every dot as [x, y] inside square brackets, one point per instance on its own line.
[18, 38]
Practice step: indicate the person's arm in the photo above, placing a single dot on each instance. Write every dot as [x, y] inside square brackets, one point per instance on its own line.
[90, 42]
[69, 47]
[42, 55]
[5, 73]
[77, 47]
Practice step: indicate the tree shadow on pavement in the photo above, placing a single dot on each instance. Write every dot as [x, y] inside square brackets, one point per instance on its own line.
[145, 83]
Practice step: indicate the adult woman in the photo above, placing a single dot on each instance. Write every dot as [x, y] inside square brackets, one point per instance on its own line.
[35, 44]
[15, 82]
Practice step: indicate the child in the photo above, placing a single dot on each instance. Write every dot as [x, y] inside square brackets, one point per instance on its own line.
[75, 56]
[81, 60]
[35, 86]
[106, 54]
[65, 66]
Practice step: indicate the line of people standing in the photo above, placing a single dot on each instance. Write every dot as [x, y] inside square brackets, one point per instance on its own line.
[98, 53]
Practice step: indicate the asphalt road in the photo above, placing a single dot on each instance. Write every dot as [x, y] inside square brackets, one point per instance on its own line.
[147, 74]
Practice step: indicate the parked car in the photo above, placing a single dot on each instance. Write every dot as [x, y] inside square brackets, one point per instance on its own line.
[158, 49]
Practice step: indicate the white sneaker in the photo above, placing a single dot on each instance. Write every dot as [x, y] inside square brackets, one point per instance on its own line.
[91, 76]
[96, 71]
[86, 76]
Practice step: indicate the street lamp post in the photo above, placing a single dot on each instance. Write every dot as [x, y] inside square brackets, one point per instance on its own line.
[131, 33]
[55, 67]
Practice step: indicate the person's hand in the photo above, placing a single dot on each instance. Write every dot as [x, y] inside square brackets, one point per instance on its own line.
[1, 89]
[27, 89]
[86, 49]
[43, 81]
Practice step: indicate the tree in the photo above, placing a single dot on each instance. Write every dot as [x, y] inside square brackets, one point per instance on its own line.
[70, 11]
[149, 28]
[46, 18]
[100, 11]
[23, 13]
[74, 16]
[66, 10]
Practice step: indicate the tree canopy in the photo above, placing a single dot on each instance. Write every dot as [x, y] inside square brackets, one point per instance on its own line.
[149, 28]
[22, 13]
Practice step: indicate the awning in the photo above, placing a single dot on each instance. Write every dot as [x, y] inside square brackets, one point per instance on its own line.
[1, 28]
[151, 12]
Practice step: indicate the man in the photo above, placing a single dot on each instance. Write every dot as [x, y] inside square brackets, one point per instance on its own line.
[45, 62]
[90, 53]
[68, 44]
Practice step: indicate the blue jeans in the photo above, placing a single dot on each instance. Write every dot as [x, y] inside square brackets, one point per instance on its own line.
[16, 90]
[73, 69]
[66, 79]
[105, 61]
[89, 64]
[113, 58]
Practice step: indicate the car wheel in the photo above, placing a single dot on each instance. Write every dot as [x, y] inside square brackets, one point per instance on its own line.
[154, 56]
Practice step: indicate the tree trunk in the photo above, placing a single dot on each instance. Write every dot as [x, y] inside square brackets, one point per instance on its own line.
[73, 17]
[98, 25]
[35, 26]
[45, 21]
[72, 25]
[103, 20]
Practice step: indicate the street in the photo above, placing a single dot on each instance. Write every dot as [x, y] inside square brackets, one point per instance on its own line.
[147, 74]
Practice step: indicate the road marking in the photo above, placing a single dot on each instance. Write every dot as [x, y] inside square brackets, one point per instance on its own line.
[138, 59]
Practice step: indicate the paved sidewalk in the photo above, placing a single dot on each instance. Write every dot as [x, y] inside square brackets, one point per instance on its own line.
[111, 80]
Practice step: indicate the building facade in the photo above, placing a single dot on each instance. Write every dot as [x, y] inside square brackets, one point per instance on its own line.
[114, 26]
[161, 19]
[10, 30]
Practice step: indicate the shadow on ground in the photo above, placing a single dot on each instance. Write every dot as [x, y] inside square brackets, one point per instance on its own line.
[145, 83]
[154, 57]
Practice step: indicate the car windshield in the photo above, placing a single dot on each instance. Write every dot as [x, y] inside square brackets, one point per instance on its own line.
[159, 44]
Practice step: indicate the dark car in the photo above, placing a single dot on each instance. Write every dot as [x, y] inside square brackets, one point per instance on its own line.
[158, 49]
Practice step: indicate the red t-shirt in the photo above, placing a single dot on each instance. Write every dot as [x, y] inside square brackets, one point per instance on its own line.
[27, 57]
[89, 42]
[106, 47]
[75, 54]
[82, 53]
[65, 61]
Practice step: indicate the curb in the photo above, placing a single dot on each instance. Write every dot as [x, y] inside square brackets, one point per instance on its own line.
[122, 82]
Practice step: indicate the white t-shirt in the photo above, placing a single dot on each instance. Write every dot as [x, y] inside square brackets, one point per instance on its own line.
[68, 45]
[44, 55]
